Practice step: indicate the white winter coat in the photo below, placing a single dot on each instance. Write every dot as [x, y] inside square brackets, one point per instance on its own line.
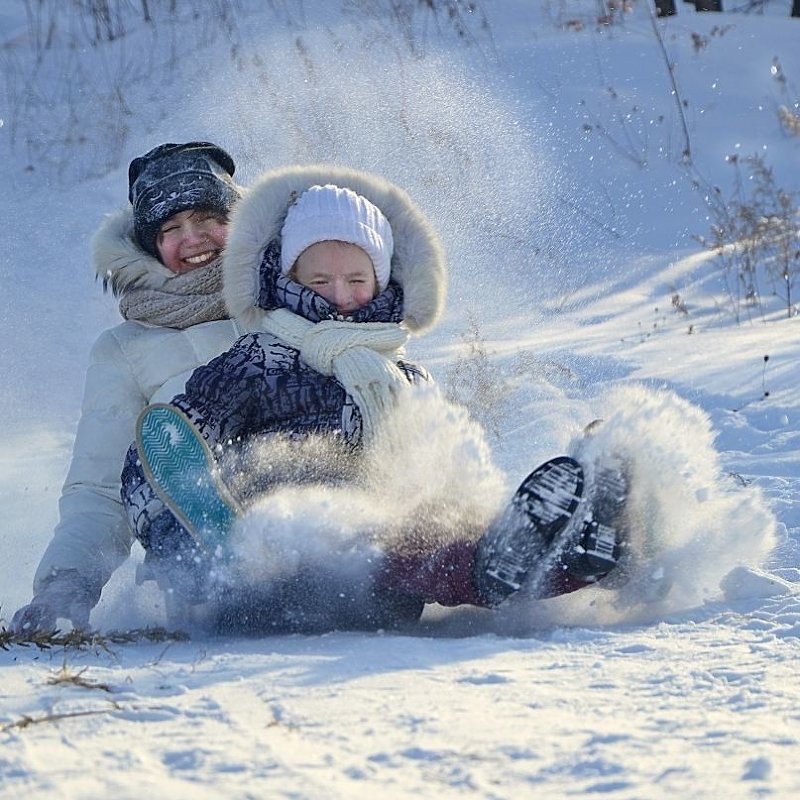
[131, 365]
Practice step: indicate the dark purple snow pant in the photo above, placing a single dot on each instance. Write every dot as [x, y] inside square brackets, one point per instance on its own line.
[447, 577]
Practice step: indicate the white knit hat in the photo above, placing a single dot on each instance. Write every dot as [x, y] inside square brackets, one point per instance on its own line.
[331, 213]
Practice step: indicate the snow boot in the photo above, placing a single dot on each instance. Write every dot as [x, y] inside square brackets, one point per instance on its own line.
[595, 546]
[182, 470]
[554, 527]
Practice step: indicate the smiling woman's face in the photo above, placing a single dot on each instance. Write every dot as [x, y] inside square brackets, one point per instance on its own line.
[191, 239]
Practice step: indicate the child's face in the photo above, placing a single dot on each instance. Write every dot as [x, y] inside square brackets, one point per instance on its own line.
[342, 273]
[191, 239]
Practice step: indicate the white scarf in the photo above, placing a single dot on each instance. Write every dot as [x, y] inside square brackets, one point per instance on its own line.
[360, 355]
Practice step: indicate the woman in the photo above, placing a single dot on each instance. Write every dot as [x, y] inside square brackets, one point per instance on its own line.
[162, 259]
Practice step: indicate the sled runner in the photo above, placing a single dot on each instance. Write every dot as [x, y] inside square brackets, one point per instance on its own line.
[183, 472]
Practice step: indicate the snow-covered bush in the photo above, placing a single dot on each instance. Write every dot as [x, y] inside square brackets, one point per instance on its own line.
[755, 235]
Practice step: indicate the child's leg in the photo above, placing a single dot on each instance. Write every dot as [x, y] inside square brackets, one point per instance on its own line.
[448, 577]
[551, 540]
[445, 576]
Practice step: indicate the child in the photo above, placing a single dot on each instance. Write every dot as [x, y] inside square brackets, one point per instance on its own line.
[335, 269]
[162, 258]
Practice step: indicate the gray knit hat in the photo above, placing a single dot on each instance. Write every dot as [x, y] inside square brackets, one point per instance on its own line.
[325, 213]
[172, 178]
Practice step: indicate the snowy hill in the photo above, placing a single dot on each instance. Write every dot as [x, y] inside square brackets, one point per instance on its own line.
[572, 168]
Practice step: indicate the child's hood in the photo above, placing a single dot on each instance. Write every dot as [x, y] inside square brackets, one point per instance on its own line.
[418, 263]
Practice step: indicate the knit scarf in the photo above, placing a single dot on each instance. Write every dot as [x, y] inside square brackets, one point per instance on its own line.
[360, 355]
[183, 300]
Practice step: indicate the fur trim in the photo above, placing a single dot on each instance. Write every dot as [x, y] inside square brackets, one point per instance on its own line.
[119, 261]
[418, 264]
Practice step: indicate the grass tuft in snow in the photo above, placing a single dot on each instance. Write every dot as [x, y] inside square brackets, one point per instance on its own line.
[77, 639]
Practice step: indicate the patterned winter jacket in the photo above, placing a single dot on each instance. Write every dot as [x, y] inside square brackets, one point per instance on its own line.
[262, 386]
[131, 365]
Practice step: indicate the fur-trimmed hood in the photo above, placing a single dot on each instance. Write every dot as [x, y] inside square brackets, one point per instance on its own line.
[418, 264]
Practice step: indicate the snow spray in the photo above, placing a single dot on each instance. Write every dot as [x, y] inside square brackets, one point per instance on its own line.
[688, 523]
[428, 477]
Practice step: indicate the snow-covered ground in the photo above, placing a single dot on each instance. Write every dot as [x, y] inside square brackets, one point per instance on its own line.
[548, 150]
